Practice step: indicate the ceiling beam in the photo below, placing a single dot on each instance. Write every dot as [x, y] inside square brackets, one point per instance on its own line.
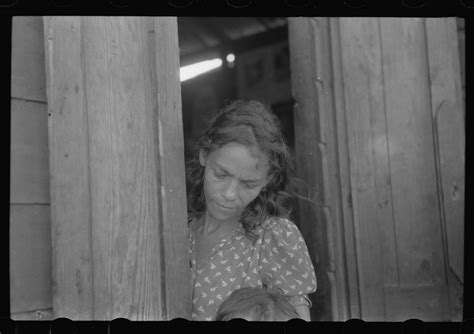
[240, 45]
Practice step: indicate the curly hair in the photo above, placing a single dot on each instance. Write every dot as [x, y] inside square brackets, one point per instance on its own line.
[252, 124]
[256, 304]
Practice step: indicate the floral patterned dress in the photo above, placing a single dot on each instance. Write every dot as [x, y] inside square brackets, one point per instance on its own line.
[277, 259]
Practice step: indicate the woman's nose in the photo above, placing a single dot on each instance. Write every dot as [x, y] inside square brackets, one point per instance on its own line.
[230, 191]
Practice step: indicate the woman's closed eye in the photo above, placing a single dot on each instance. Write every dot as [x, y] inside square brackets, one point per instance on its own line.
[249, 185]
[219, 174]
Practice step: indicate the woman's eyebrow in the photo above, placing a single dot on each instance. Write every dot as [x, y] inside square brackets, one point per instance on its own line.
[223, 169]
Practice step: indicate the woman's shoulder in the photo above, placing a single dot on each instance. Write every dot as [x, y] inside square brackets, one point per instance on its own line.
[279, 225]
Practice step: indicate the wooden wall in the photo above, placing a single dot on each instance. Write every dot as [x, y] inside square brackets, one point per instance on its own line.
[30, 229]
[137, 212]
[118, 206]
[379, 123]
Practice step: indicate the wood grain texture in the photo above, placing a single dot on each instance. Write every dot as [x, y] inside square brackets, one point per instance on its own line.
[29, 169]
[448, 113]
[30, 258]
[344, 199]
[134, 162]
[397, 158]
[426, 303]
[69, 170]
[43, 314]
[317, 162]
[361, 72]
[461, 39]
[178, 289]
[28, 73]
[308, 157]
[411, 146]
[330, 191]
[124, 183]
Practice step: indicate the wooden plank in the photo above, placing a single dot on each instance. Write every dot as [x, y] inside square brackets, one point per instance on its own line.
[323, 85]
[380, 155]
[426, 303]
[69, 166]
[124, 184]
[28, 76]
[134, 150]
[171, 157]
[29, 169]
[361, 66]
[412, 161]
[343, 185]
[461, 36]
[45, 314]
[30, 258]
[308, 158]
[304, 100]
[448, 113]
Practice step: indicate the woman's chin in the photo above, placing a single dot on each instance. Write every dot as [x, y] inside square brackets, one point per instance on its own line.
[222, 213]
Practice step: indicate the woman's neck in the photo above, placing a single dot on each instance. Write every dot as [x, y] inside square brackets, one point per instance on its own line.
[211, 225]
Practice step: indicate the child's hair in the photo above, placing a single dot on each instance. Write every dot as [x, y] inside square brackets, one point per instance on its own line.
[256, 304]
[252, 124]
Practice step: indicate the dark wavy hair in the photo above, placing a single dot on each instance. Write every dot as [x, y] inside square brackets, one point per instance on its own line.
[258, 304]
[252, 124]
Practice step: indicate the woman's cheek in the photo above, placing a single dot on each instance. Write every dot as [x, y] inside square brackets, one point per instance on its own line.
[251, 195]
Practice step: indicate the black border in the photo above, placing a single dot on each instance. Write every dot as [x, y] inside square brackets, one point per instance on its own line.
[362, 8]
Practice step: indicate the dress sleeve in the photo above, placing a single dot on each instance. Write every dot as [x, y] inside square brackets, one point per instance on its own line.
[285, 263]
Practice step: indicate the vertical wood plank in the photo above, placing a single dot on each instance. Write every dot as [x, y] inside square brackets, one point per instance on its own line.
[171, 157]
[384, 214]
[29, 169]
[323, 86]
[448, 114]
[30, 232]
[124, 172]
[43, 314]
[69, 170]
[308, 157]
[349, 258]
[312, 68]
[28, 73]
[134, 160]
[410, 135]
[30, 258]
[362, 84]
[400, 158]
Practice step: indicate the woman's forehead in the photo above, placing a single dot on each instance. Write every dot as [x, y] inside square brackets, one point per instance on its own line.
[237, 157]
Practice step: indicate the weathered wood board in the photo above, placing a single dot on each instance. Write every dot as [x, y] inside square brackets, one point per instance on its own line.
[117, 160]
[28, 76]
[30, 258]
[396, 93]
[29, 170]
[30, 229]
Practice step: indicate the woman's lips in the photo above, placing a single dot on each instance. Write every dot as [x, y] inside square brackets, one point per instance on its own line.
[224, 207]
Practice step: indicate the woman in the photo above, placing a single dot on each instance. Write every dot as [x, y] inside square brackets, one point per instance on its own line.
[238, 206]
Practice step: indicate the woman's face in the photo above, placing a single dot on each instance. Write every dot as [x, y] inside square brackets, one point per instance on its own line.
[234, 176]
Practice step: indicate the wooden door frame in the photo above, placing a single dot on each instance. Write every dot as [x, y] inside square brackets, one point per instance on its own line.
[118, 201]
[323, 162]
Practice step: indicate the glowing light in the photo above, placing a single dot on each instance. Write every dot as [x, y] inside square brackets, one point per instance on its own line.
[230, 58]
[193, 70]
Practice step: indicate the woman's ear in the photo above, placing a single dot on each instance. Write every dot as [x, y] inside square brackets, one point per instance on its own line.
[202, 157]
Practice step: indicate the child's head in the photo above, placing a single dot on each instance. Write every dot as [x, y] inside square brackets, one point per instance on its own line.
[256, 304]
[250, 124]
